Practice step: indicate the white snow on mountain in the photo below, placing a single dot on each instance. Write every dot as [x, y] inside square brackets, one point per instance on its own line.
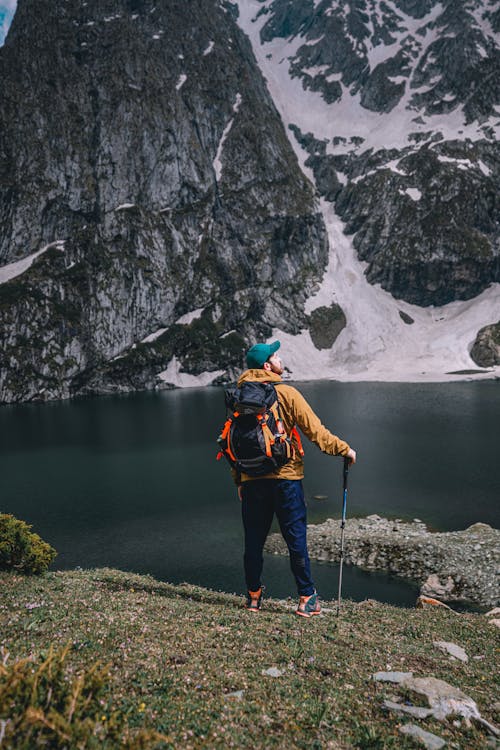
[376, 343]
[18, 267]
[217, 163]
[175, 376]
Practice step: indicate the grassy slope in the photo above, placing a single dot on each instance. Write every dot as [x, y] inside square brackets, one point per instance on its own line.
[177, 651]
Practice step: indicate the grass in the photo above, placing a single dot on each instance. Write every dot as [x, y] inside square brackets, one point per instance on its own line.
[176, 653]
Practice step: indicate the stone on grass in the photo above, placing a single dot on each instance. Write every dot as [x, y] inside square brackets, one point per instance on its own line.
[443, 698]
[456, 652]
[273, 672]
[392, 676]
[446, 700]
[427, 602]
[428, 740]
[417, 711]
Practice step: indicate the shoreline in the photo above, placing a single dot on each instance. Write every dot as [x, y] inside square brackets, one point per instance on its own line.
[452, 566]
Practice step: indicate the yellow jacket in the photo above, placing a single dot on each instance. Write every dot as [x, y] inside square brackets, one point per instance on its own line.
[295, 411]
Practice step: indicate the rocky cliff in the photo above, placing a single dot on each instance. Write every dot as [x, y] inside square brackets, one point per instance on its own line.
[153, 214]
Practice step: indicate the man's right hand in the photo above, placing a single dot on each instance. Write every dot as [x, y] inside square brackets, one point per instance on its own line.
[351, 456]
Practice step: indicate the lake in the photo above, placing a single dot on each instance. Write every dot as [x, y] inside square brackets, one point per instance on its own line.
[132, 481]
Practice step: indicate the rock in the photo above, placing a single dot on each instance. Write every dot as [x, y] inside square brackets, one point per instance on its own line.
[456, 652]
[406, 318]
[424, 602]
[495, 612]
[397, 677]
[428, 740]
[486, 348]
[434, 588]
[449, 563]
[273, 672]
[478, 528]
[417, 711]
[325, 324]
[495, 621]
[443, 698]
[493, 743]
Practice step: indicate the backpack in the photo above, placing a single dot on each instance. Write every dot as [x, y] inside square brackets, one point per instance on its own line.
[253, 438]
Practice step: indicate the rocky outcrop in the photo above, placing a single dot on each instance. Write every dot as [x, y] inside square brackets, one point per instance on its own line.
[325, 324]
[142, 158]
[486, 348]
[453, 566]
[411, 218]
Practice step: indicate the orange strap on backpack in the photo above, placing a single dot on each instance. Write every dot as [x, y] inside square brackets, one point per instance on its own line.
[295, 434]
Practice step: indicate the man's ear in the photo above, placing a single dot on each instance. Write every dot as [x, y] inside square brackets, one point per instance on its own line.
[266, 366]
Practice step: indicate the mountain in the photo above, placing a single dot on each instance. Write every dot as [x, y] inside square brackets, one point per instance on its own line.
[145, 172]
[394, 112]
[177, 181]
[402, 180]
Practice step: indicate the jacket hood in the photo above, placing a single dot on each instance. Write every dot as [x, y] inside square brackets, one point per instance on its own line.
[259, 375]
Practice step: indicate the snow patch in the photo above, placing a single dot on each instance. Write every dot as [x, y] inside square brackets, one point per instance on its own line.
[376, 344]
[11, 270]
[414, 193]
[125, 207]
[316, 70]
[174, 375]
[182, 80]
[154, 336]
[484, 169]
[188, 318]
[217, 164]
[208, 50]
[347, 117]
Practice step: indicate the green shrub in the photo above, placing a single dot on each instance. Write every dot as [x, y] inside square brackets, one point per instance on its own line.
[20, 549]
[45, 704]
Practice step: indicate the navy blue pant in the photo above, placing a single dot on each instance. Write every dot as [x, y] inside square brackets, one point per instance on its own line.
[261, 499]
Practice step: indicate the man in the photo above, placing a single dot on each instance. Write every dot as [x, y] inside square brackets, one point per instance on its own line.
[282, 492]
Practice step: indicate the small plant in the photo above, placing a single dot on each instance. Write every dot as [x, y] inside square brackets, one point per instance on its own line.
[20, 549]
[368, 738]
[43, 703]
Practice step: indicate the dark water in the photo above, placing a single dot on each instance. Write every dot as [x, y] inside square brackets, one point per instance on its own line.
[132, 482]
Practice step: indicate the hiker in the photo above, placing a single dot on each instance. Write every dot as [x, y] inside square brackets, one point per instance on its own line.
[280, 491]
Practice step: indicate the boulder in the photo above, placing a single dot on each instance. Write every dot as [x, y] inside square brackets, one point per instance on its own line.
[427, 739]
[456, 652]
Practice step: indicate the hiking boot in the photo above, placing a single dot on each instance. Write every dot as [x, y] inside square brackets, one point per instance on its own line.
[308, 606]
[254, 600]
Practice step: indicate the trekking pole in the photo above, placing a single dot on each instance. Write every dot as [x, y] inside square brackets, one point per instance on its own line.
[342, 527]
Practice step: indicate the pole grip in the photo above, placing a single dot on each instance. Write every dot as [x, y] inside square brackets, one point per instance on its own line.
[347, 462]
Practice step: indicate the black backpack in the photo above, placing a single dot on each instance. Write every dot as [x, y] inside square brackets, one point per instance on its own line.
[253, 438]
